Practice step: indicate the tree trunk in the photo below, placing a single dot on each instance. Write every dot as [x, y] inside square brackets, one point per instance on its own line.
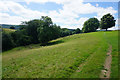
[106, 29]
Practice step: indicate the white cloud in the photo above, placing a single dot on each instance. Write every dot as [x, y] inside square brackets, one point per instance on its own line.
[43, 1]
[102, 11]
[21, 13]
[7, 19]
[71, 11]
[114, 28]
[68, 16]
[97, 5]
[56, 1]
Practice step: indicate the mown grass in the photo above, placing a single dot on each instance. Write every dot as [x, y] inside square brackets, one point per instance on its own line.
[112, 39]
[94, 64]
[0, 53]
[61, 58]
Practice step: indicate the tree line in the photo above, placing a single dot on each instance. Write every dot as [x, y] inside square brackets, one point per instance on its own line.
[92, 24]
[44, 30]
[33, 32]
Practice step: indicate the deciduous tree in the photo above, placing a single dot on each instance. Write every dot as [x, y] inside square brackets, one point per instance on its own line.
[107, 21]
[90, 25]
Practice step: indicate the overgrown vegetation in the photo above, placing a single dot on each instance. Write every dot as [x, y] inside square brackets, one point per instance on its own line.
[12, 27]
[45, 50]
[43, 30]
[68, 57]
[35, 31]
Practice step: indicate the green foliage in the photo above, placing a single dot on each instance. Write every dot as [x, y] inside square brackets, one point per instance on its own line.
[56, 31]
[24, 40]
[12, 27]
[65, 32]
[22, 27]
[31, 29]
[44, 34]
[20, 38]
[37, 27]
[36, 31]
[47, 21]
[84, 52]
[39, 31]
[45, 30]
[7, 42]
[107, 21]
[90, 25]
[77, 31]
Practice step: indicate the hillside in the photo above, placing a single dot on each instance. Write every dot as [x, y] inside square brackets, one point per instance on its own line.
[75, 56]
[9, 25]
[8, 30]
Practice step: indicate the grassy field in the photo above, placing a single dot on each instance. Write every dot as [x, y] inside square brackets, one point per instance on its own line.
[113, 40]
[8, 30]
[75, 56]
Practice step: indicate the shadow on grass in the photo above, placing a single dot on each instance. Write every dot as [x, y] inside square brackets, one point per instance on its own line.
[33, 46]
[52, 43]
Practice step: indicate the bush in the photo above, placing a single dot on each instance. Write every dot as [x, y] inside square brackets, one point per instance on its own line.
[12, 27]
[7, 42]
[20, 38]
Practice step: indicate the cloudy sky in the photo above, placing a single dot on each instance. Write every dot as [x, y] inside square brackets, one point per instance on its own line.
[66, 13]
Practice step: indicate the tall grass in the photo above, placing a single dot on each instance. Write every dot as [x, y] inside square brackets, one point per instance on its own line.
[60, 59]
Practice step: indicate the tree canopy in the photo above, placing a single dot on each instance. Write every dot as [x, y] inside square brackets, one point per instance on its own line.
[77, 31]
[12, 27]
[107, 21]
[7, 42]
[90, 25]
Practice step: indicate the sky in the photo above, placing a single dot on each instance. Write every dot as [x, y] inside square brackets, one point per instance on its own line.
[66, 13]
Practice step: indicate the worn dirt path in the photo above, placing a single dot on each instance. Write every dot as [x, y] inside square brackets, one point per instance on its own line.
[105, 73]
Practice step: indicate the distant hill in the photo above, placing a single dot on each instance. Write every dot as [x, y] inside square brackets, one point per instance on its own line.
[18, 26]
[9, 25]
[71, 29]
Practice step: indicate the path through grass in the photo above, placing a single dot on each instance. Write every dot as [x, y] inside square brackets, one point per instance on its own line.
[60, 60]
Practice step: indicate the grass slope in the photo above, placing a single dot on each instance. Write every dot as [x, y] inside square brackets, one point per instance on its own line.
[8, 30]
[79, 56]
[112, 39]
